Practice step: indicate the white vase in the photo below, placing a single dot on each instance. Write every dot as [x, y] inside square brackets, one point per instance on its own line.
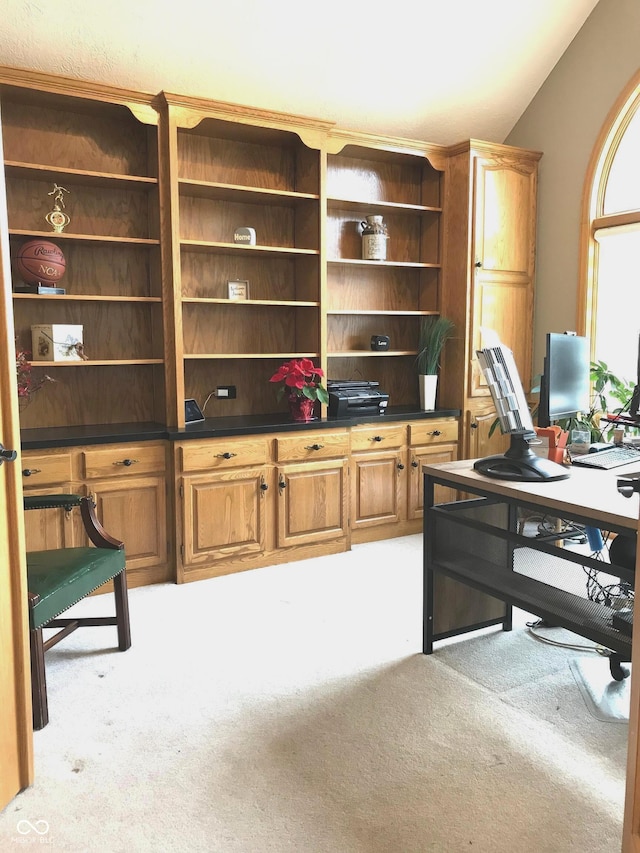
[428, 385]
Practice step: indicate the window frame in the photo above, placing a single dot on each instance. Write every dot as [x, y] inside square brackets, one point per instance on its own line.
[593, 217]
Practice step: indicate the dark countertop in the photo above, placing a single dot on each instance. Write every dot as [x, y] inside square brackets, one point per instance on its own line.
[36, 439]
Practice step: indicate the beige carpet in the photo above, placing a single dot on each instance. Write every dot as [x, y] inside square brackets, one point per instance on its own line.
[290, 709]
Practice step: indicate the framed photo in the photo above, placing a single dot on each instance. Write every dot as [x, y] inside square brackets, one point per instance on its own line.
[238, 289]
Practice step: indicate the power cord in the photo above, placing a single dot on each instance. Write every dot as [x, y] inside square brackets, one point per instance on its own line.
[550, 526]
[606, 594]
[209, 396]
[541, 623]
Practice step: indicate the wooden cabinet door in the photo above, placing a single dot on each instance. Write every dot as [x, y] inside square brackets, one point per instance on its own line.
[505, 214]
[49, 473]
[504, 257]
[378, 480]
[479, 443]
[133, 509]
[50, 529]
[312, 502]
[420, 456]
[505, 307]
[128, 484]
[224, 515]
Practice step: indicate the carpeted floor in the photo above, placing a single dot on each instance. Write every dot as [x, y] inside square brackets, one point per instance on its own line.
[290, 709]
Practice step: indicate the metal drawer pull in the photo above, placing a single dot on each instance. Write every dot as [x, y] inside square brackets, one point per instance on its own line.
[127, 462]
[27, 472]
[282, 484]
[376, 438]
[400, 466]
[434, 432]
[226, 455]
[263, 485]
[414, 464]
[314, 446]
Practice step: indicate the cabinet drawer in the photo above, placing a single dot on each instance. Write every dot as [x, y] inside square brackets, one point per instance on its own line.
[119, 460]
[378, 437]
[433, 432]
[45, 470]
[223, 453]
[312, 445]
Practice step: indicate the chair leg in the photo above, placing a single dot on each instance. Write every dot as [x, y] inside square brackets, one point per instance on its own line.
[122, 611]
[38, 681]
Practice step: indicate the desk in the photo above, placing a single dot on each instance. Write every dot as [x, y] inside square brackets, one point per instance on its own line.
[470, 580]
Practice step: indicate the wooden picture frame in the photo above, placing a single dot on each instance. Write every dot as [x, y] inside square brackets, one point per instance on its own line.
[238, 290]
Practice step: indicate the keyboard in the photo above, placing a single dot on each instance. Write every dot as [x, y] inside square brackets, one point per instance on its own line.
[610, 458]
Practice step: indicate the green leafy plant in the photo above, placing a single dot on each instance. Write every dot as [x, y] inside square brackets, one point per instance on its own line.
[607, 388]
[434, 333]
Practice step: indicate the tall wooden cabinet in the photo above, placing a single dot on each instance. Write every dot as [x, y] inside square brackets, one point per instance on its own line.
[489, 267]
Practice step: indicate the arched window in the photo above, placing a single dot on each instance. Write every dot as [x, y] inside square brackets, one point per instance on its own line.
[611, 240]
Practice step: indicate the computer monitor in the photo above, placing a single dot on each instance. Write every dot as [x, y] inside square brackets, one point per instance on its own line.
[564, 387]
[519, 462]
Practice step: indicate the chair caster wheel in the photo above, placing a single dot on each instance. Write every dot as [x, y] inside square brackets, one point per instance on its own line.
[618, 671]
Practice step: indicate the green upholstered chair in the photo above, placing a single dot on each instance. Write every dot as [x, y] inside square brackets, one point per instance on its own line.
[58, 579]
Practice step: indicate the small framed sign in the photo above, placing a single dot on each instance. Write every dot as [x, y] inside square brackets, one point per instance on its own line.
[238, 289]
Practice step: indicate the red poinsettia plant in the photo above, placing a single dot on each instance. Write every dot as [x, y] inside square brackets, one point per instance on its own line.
[302, 378]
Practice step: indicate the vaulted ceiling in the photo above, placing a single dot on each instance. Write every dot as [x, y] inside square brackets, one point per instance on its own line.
[439, 71]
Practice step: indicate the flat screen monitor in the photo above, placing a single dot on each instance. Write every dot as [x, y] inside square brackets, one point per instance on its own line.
[519, 462]
[564, 387]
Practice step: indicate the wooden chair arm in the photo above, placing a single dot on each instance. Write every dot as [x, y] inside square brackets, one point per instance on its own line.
[96, 532]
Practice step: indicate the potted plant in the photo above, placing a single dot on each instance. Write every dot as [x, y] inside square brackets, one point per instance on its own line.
[434, 333]
[302, 383]
[608, 389]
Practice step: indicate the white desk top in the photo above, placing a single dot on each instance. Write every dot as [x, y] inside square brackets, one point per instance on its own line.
[590, 492]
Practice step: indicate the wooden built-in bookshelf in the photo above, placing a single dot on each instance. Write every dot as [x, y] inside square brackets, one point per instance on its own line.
[102, 146]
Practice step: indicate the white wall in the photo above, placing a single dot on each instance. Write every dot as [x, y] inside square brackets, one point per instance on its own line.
[564, 121]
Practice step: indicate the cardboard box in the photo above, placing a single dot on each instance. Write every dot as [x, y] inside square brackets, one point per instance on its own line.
[56, 343]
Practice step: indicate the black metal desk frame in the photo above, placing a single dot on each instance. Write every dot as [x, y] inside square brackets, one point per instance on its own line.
[473, 542]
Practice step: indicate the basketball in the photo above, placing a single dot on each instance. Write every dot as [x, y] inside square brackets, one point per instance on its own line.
[40, 261]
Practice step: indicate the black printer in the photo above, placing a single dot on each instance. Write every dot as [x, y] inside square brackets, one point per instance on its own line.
[350, 399]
